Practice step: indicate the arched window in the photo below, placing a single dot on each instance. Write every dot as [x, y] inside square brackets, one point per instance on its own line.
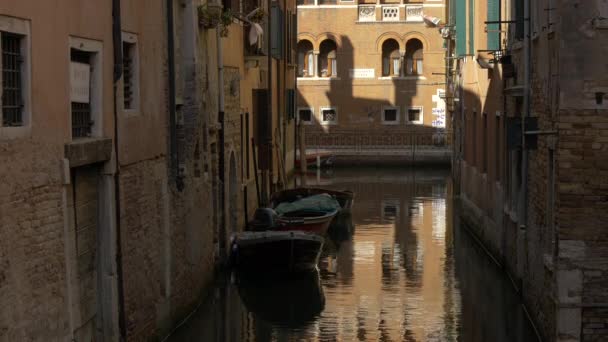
[328, 64]
[305, 59]
[391, 58]
[413, 57]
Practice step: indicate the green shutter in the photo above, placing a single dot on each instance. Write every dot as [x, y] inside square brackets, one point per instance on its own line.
[461, 33]
[493, 34]
[471, 27]
[276, 32]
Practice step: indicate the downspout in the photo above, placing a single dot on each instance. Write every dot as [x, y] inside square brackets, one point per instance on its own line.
[286, 19]
[268, 177]
[523, 191]
[117, 45]
[221, 120]
[174, 160]
[525, 114]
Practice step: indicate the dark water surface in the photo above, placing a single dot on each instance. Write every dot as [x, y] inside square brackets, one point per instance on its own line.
[401, 270]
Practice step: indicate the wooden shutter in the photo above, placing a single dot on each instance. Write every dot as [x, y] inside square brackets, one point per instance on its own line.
[519, 16]
[461, 33]
[294, 35]
[276, 31]
[263, 127]
[471, 20]
[493, 34]
[290, 103]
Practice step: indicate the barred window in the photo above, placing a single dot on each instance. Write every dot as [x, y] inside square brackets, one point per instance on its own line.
[128, 64]
[82, 121]
[12, 87]
[390, 115]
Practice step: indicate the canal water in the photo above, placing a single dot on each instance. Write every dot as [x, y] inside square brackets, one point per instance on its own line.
[401, 268]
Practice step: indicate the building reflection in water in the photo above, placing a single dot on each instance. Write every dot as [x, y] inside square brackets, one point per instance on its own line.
[397, 269]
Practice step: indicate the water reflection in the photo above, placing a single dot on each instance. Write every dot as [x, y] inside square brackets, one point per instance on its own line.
[400, 268]
[290, 301]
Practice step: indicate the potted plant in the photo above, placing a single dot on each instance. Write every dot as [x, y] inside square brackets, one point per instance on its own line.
[211, 15]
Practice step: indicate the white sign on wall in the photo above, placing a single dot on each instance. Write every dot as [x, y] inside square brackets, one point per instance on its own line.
[439, 109]
[362, 73]
[80, 82]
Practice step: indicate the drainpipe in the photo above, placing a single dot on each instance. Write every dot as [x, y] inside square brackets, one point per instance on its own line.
[268, 177]
[172, 114]
[117, 45]
[523, 194]
[221, 120]
[525, 113]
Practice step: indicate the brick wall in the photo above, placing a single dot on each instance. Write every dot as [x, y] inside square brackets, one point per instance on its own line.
[583, 209]
[32, 259]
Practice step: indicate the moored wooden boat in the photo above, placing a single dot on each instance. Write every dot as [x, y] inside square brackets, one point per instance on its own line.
[345, 197]
[312, 213]
[311, 221]
[290, 251]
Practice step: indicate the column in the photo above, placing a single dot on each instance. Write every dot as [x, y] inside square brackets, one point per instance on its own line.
[316, 63]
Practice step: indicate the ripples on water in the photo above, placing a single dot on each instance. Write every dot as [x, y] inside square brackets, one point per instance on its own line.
[398, 269]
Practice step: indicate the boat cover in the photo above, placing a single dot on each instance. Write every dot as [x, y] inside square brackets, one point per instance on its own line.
[321, 202]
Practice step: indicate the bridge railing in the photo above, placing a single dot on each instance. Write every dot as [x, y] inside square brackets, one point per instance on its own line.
[380, 140]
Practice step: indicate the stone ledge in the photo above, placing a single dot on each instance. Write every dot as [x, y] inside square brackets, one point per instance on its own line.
[88, 151]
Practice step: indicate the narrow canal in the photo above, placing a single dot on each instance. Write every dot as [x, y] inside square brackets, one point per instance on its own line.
[402, 270]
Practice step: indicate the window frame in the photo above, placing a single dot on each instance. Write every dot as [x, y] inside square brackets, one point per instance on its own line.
[322, 119]
[312, 115]
[135, 109]
[416, 122]
[21, 28]
[95, 48]
[398, 116]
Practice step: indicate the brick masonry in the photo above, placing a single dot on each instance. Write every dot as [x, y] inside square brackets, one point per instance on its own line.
[32, 259]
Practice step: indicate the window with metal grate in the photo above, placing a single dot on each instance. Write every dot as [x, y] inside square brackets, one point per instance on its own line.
[12, 90]
[128, 66]
[82, 121]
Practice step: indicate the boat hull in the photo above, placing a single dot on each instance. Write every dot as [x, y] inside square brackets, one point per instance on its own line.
[305, 222]
[345, 198]
[290, 251]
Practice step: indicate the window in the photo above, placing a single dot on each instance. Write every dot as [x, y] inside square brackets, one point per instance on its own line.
[86, 87]
[328, 65]
[329, 116]
[305, 59]
[80, 99]
[391, 58]
[15, 68]
[305, 115]
[12, 90]
[414, 115]
[414, 57]
[130, 76]
[390, 115]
